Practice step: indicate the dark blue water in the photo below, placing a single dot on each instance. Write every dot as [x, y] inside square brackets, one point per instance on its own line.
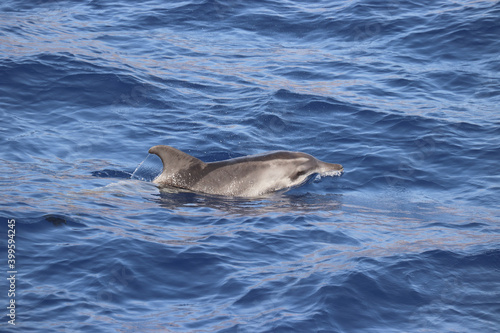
[404, 94]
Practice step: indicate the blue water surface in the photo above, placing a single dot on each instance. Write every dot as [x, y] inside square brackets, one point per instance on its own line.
[404, 94]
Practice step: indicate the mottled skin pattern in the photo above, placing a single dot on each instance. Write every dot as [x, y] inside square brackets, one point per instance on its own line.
[248, 176]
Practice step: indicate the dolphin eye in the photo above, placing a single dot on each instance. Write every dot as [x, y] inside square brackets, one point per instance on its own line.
[298, 174]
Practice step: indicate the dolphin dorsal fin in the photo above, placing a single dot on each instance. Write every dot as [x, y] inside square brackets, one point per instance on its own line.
[175, 160]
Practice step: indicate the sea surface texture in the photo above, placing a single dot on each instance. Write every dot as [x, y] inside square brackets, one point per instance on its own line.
[404, 94]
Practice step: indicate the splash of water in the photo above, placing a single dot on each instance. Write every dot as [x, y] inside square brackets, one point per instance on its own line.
[148, 169]
[334, 173]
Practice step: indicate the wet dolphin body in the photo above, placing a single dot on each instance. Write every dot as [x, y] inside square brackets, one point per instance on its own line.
[248, 176]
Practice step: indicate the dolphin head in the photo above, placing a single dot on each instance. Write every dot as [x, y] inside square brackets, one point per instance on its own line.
[305, 165]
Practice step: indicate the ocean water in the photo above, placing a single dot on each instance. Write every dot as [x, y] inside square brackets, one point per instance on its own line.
[404, 94]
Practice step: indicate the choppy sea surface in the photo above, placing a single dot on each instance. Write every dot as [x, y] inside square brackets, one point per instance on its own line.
[404, 94]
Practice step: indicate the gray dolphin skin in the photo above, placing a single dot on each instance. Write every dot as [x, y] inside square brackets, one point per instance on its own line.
[249, 176]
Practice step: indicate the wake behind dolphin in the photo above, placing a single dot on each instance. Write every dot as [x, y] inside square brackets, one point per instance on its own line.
[249, 176]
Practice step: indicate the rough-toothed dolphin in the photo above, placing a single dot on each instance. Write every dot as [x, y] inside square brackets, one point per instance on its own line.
[248, 176]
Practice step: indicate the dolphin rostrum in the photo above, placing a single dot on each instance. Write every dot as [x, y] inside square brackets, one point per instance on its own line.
[248, 176]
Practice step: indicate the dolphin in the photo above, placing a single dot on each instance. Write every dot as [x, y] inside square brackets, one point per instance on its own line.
[248, 176]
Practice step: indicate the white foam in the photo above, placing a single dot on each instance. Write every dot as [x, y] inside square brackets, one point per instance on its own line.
[334, 173]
